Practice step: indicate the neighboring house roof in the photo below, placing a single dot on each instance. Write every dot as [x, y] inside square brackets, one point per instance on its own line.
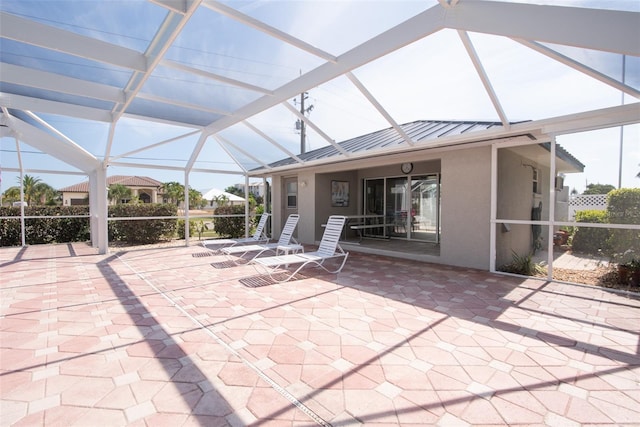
[214, 192]
[127, 181]
[421, 130]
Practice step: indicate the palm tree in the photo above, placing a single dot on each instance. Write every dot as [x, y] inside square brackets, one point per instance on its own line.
[45, 194]
[221, 200]
[36, 192]
[195, 198]
[174, 191]
[117, 192]
[12, 194]
[29, 184]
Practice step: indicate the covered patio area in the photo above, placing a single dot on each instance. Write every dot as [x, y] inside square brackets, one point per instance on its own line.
[173, 336]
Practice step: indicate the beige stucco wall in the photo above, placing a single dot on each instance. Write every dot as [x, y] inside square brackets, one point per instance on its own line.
[466, 207]
[514, 202]
[322, 201]
[515, 199]
[277, 214]
[67, 196]
[306, 207]
[465, 200]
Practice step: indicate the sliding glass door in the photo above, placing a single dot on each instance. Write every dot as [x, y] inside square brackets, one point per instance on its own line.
[397, 206]
[410, 206]
[425, 208]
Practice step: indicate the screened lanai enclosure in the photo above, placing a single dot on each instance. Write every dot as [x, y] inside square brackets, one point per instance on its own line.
[201, 91]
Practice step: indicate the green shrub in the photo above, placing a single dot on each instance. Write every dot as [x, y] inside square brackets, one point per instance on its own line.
[523, 265]
[193, 228]
[591, 240]
[44, 230]
[229, 226]
[143, 231]
[623, 207]
[64, 230]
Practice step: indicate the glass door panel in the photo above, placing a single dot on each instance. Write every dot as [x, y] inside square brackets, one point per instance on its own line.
[374, 205]
[374, 202]
[397, 207]
[425, 208]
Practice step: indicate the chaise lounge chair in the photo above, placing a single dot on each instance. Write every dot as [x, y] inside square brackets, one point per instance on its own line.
[328, 249]
[282, 245]
[260, 236]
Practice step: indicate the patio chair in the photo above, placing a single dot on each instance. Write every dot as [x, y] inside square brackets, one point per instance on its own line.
[328, 249]
[283, 244]
[259, 236]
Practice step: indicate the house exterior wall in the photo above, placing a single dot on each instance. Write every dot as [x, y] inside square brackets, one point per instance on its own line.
[322, 201]
[306, 208]
[465, 200]
[465, 213]
[514, 202]
[466, 207]
[277, 198]
[153, 194]
[67, 197]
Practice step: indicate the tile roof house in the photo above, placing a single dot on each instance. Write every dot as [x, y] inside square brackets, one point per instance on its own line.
[148, 190]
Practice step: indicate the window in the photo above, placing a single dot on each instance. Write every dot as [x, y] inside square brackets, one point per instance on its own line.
[536, 184]
[292, 195]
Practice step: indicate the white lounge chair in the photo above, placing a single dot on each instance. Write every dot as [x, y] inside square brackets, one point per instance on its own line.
[328, 249]
[259, 236]
[284, 243]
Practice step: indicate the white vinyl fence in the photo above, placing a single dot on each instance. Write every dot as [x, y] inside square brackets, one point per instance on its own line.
[587, 202]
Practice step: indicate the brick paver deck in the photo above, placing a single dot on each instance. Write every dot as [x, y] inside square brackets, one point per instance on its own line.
[172, 337]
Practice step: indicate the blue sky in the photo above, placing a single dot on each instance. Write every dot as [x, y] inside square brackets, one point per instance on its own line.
[430, 79]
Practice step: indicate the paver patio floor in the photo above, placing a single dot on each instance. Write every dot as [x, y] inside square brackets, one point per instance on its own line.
[172, 336]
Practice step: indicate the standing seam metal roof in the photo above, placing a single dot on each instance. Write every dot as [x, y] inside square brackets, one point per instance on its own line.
[418, 131]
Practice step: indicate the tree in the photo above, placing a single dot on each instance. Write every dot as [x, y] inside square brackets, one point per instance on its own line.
[45, 194]
[35, 191]
[598, 189]
[29, 187]
[195, 198]
[234, 190]
[117, 192]
[174, 191]
[11, 194]
[221, 200]
[252, 201]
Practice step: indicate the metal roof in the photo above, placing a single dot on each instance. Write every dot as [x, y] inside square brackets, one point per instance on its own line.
[130, 84]
[420, 132]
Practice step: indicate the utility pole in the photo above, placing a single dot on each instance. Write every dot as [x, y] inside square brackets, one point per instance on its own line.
[300, 124]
